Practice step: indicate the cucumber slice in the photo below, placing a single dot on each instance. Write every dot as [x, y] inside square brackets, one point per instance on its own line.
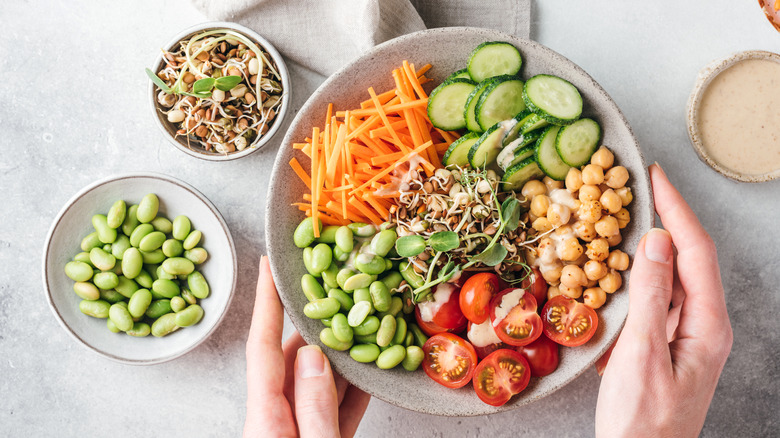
[471, 105]
[547, 156]
[576, 143]
[515, 131]
[501, 100]
[484, 152]
[494, 58]
[446, 102]
[460, 74]
[458, 152]
[523, 154]
[554, 99]
[514, 152]
[519, 174]
[533, 123]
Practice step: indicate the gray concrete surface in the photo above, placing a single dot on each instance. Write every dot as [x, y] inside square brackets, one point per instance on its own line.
[74, 109]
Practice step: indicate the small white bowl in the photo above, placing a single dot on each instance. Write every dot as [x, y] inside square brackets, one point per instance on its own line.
[168, 128]
[74, 222]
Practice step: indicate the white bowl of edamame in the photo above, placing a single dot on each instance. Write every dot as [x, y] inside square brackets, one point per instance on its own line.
[210, 251]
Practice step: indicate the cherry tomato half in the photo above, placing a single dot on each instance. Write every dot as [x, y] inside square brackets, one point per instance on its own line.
[569, 322]
[501, 375]
[542, 355]
[537, 285]
[479, 336]
[476, 294]
[514, 318]
[449, 360]
[446, 317]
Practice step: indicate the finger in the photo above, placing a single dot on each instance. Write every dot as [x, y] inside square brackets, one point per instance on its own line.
[352, 409]
[290, 348]
[316, 401]
[341, 387]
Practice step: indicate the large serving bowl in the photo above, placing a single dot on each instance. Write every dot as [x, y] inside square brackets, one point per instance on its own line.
[447, 50]
[74, 222]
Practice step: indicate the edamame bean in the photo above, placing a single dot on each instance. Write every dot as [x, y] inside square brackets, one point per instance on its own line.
[131, 221]
[78, 271]
[196, 255]
[192, 240]
[178, 304]
[111, 295]
[362, 230]
[158, 308]
[178, 266]
[329, 339]
[116, 214]
[164, 325]
[162, 225]
[153, 257]
[304, 232]
[151, 241]
[321, 308]
[95, 308]
[326, 322]
[341, 329]
[358, 313]
[144, 279]
[329, 275]
[165, 288]
[388, 263]
[188, 297]
[198, 285]
[83, 257]
[369, 325]
[409, 339]
[396, 304]
[126, 286]
[307, 253]
[414, 279]
[364, 353]
[413, 359]
[147, 208]
[392, 280]
[343, 275]
[111, 326]
[343, 298]
[365, 339]
[105, 233]
[358, 281]
[90, 241]
[120, 245]
[370, 264]
[408, 302]
[139, 303]
[383, 242]
[328, 234]
[121, 317]
[420, 338]
[101, 259]
[391, 357]
[380, 296]
[400, 331]
[362, 294]
[321, 257]
[86, 290]
[139, 330]
[344, 239]
[189, 316]
[181, 227]
[132, 263]
[386, 331]
[161, 273]
[139, 233]
[172, 248]
[340, 255]
[107, 248]
[311, 288]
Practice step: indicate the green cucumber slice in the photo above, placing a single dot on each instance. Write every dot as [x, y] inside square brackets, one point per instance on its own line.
[471, 105]
[523, 154]
[458, 152]
[533, 123]
[446, 102]
[515, 131]
[556, 100]
[514, 152]
[547, 156]
[494, 58]
[501, 100]
[577, 142]
[519, 174]
[484, 152]
[460, 74]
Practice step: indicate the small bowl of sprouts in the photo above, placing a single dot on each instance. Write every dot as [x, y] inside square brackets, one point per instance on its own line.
[219, 91]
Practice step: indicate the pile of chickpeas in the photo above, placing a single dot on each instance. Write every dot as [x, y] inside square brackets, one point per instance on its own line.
[586, 266]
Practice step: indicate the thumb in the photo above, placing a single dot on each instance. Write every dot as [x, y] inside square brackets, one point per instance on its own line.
[316, 400]
[650, 286]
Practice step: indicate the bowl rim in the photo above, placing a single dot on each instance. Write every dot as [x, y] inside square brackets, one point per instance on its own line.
[557, 57]
[81, 193]
[703, 80]
[281, 114]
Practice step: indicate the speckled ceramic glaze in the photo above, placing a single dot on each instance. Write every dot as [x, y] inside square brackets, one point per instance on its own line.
[74, 222]
[447, 50]
[703, 80]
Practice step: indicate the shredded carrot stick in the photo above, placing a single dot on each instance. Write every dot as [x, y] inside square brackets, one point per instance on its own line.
[296, 166]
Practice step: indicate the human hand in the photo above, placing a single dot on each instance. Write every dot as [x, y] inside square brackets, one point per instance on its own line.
[291, 389]
[666, 363]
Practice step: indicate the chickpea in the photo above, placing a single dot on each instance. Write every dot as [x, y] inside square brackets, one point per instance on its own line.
[591, 283]
[573, 180]
[607, 226]
[553, 275]
[589, 193]
[552, 184]
[571, 292]
[592, 174]
[542, 225]
[553, 292]
[618, 260]
[614, 240]
[625, 195]
[610, 201]
[572, 250]
[540, 204]
[585, 230]
[573, 276]
[590, 211]
[533, 188]
[611, 282]
[558, 214]
[564, 230]
[594, 297]
[598, 249]
[616, 177]
[623, 217]
[603, 157]
[595, 270]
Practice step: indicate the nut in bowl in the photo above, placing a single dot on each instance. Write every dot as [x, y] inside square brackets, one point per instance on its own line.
[219, 91]
[137, 255]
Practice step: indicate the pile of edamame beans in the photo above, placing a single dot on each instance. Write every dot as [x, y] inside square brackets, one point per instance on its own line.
[137, 270]
[352, 287]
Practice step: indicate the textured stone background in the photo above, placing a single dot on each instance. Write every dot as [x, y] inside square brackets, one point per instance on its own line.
[74, 109]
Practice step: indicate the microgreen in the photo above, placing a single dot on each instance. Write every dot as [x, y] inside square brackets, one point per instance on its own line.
[444, 241]
[201, 88]
[410, 246]
[159, 82]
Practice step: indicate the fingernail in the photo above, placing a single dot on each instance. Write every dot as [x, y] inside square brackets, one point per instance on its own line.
[658, 165]
[311, 362]
[658, 246]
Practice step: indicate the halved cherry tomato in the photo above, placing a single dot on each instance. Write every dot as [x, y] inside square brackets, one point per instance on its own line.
[449, 360]
[514, 318]
[601, 363]
[476, 294]
[542, 355]
[446, 317]
[569, 322]
[484, 351]
[537, 285]
[501, 375]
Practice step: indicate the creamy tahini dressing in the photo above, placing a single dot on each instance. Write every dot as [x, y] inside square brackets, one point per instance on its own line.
[441, 296]
[508, 302]
[739, 117]
[482, 335]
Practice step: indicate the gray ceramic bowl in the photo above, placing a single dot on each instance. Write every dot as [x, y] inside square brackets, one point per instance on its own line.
[74, 222]
[169, 130]
[447, 50]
